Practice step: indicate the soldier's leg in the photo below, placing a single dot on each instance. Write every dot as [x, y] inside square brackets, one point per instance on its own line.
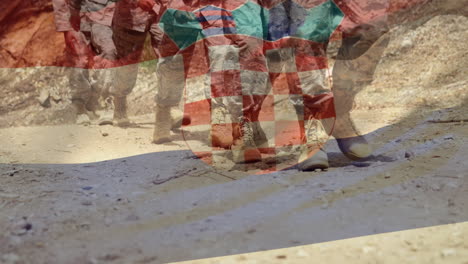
[255, 84]
[317, 111]
[169, 89]
[170, 72]
[170, 86]
[354, 69]
[78, 54]
[241, 95]
[129, 46]
[103, 64]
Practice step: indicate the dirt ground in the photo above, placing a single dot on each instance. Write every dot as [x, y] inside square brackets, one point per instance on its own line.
[82, 198]
[102, 194]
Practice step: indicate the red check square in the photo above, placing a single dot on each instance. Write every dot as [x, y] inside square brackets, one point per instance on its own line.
[289, 133]
[199, 112]
[221, 136]
[285, 83]
[307, 62]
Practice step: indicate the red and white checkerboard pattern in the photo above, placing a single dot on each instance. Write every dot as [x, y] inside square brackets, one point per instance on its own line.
[290, 80]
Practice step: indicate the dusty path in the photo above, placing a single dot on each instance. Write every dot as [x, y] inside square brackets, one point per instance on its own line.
[122, 209]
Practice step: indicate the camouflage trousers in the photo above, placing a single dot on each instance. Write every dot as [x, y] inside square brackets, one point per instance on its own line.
[170, 71]
[91, 56]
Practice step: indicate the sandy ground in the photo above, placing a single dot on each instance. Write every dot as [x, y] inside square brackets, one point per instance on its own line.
[100, 194]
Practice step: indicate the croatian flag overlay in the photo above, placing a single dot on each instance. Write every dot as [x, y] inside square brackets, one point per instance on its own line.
[156, 131]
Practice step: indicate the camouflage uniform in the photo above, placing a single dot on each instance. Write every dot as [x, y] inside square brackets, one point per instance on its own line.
[88, 46]
[131, 25]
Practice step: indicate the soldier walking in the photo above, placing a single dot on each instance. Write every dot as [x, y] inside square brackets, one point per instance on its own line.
[132, 22]
[89, 45]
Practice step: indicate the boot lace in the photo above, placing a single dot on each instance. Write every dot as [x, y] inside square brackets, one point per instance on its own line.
[315, 132]
[246, 130]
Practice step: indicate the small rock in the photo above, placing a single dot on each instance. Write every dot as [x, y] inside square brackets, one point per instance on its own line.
[409, 154]
[87, 188]
[251, 231]
[54, 94]
[27, 226]
[452, 184]
[22, 227]
[86, 203]
[281, 257]
[44, 98]
[105, 134]
[85, 226]
[450, 203]
[302, 253]
[12, 173]
[132, 217]
[448, 252]
[317, 170]
[368, 249]
[241, 258]
[406, 43]
[448, 137]
[109, 257]
[387, 175]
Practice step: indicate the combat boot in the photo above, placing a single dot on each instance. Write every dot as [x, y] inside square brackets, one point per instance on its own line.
[244, 149]
[315, 136]
[82, 117]
[106, 116]
[162, 125]
[319, 160]
[120, 112]
[351, 144]
[92, 106]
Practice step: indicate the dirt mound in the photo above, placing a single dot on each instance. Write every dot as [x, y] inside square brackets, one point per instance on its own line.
[422, 66]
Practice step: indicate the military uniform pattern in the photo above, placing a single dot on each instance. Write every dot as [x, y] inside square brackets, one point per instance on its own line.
[89, 47]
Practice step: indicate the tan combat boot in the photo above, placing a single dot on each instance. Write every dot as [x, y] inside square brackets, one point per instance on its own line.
[82, 117]
[162, 125]
[120, 112]
[244, 149]
[351, 144]
[315, 138]
[92, 106]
